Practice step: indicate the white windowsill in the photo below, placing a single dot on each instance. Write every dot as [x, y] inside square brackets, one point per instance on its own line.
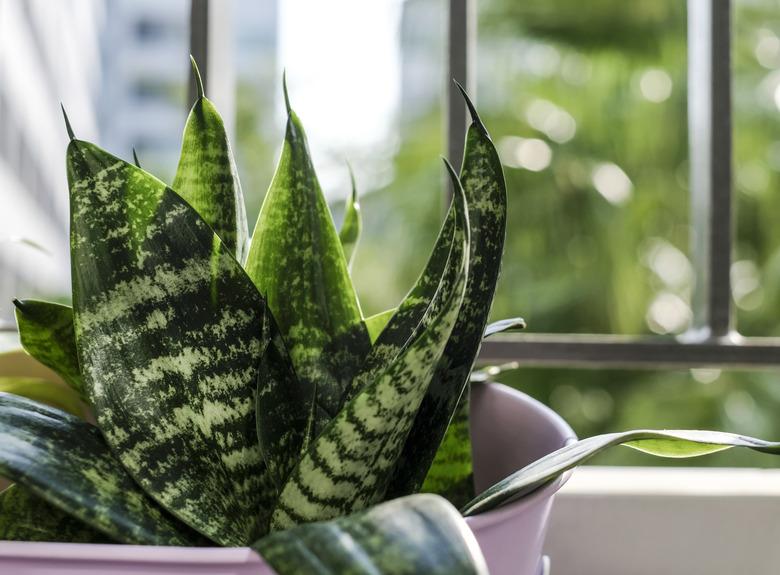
[659, 521]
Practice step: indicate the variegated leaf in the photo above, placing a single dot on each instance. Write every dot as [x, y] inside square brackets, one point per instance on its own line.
[169, 331]
[483, 181]
[207, 177]
[411, 536]
[46, 333]
[56, 394]
[26, 517]
[346, 468]
[663, 443]
[349, 234]
[376, 324]
[66, 462]
[297, 263]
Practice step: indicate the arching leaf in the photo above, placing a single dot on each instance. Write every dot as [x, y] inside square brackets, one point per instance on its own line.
[503, 326]
[169, 331]
[66, 462]
[663, 443]
[51, 393]
[418, 534]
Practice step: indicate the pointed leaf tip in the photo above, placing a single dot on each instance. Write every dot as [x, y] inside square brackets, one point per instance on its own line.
[18, 304]
[286, 95]
[68, 127]
[458, 188]
[198, 79]
[135, 159]
[354, 195]
[470, 105]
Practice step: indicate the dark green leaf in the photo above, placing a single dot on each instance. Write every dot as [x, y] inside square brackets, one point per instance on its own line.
[452, 474]
[27, 517]
[66, 462]
[51, 393]
[483, 181]
[169, 331]
[46, 333]
[663, 443]
[504, 325]
[410, 536]
[297, 262]
[207, 177]
[346, 468]
[349, 235]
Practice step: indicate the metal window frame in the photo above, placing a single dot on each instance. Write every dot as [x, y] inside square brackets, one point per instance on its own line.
[712, 340]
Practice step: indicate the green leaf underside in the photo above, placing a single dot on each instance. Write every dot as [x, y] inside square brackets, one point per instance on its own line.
[452, 473]
[418, 534]
[66, 462]
[349, 234]
[663, 443]
[207, 177]
[482, 179]
[46, 333]
[27, 517]
[503, 326]
[169, 332]
[346, 468]
[375, 324]
[51, 393]
[297, 263]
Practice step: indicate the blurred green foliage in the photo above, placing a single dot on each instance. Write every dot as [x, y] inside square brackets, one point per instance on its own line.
[588, 105]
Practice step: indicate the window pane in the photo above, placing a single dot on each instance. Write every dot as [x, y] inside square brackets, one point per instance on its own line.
[588, 108]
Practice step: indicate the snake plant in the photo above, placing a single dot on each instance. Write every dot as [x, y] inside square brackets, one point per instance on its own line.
[239, 393]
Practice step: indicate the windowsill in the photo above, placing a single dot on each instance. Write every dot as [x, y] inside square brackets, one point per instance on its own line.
[659, 521]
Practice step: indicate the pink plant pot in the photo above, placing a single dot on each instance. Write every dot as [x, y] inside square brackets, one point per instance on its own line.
[509, 430]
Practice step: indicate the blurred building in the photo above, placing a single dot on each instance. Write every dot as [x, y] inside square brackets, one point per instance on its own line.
[146, 68]
[49, 53]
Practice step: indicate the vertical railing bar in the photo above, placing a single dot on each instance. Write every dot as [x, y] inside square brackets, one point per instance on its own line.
[199, 45]
[461, 59]
[710, 144]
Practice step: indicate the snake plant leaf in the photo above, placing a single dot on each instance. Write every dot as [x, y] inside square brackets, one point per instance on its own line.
[51, 393]
[46, 332]
[418, 534]
[452, 472]
[169, 331]
[284, 410]
[346, 468]
[663, 443]
[66, 462]
[503, 326]
[375, 324]
[349, 234]
[207, 177]
[27, 517]
[297, 263]
[483, 181]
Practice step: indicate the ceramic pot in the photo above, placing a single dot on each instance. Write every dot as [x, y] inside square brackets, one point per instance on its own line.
[509, 430]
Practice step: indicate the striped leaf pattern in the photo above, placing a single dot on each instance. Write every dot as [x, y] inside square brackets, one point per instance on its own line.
[46, 332]
[26, 517]
[419, 534]
[662, 443]
[483, 181]
[346, 468]
[297, 263]
[169, 332]
[66, 462]
[207, 177]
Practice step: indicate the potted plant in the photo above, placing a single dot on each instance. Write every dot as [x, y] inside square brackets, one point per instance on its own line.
[242, 400]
